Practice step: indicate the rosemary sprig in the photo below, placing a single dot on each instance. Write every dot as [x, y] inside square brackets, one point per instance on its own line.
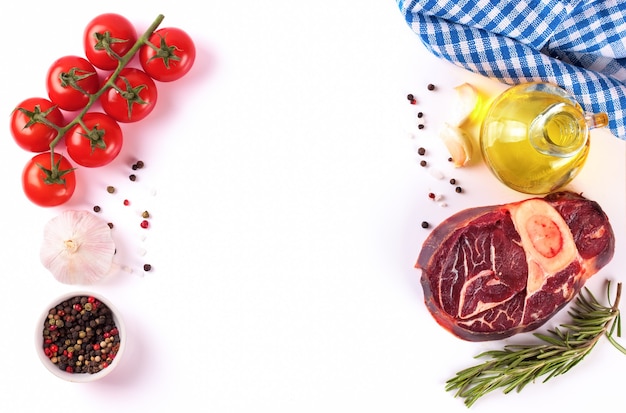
[518, 365]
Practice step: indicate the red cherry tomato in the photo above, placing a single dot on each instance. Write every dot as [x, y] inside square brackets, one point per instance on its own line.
[48, 185]
[173, 57]
[28, 124]
[106, 38]
[70, 81]
[96, 141]
[132, 97]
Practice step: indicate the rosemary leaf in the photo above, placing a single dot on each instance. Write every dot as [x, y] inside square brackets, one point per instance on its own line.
[515, 366]
[556, 341]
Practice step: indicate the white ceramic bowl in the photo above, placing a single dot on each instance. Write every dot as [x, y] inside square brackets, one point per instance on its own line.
[79, 377]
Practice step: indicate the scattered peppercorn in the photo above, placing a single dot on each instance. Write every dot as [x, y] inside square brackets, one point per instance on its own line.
[410, 96]
[139, 164]
[144, 224]
[431, 86]
[425, 224]
[132, 177]
[423, 163]
[110, 224]
[431, 195]
[145, 214]
[126, 202]
[450, 159]
[421, 151]
[147, 267]
[110, 189]
[452, 181]
[420, 114]
[420, 126]
[458, 189]
[96, 208]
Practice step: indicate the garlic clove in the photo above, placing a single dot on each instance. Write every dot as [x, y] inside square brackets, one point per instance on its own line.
[77, 248]
[466, 100]
[458, 143]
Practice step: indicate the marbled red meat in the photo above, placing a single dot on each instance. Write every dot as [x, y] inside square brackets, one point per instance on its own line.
[494, 271]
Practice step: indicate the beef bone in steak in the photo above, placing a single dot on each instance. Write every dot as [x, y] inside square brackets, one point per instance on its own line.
[493, 271]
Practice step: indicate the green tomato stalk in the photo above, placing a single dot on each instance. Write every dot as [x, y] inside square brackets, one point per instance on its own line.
[54, 174]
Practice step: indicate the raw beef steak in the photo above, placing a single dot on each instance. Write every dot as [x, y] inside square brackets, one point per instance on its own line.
[494, 271]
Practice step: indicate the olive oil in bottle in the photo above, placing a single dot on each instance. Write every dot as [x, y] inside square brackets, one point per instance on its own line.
[535, 138]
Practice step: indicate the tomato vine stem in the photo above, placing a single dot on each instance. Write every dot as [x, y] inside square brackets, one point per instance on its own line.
[93, 98]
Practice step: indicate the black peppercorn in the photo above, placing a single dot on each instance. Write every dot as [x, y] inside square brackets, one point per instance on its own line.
[147, 267]
[96, 208]
[425, 224]
[423, 163]
[132, 177]
[458, 189]
[421, 151]
[431, 86]
[452, 181]
[420, 114]
[420, 126]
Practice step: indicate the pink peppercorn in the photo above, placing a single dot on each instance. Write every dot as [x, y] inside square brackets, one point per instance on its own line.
[145, 223]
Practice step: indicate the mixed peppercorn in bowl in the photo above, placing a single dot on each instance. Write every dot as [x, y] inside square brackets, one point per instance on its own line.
[80, 337]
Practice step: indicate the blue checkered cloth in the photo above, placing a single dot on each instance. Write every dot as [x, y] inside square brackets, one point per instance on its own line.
[579, 45]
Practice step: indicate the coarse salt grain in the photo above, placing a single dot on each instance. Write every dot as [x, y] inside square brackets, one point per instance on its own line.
[435, 173]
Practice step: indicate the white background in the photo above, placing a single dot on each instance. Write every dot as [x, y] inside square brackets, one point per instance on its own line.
[286, 199]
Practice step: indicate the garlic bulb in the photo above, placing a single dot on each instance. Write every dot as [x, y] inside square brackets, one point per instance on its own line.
[77, 248]
[458, 143]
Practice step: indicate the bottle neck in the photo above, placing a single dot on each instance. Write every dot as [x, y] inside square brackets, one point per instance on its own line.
[561, 130]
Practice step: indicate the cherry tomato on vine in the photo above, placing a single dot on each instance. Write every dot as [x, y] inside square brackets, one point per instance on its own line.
[131, 98]
[108, 37]
[95, 142]
[28, 124]
[70, 81]
[48, 185]
[169, 56]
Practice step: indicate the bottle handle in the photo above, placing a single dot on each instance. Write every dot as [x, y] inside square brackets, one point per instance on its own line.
[596, 120]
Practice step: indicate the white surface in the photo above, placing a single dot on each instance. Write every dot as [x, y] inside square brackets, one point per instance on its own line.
[286, 201]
